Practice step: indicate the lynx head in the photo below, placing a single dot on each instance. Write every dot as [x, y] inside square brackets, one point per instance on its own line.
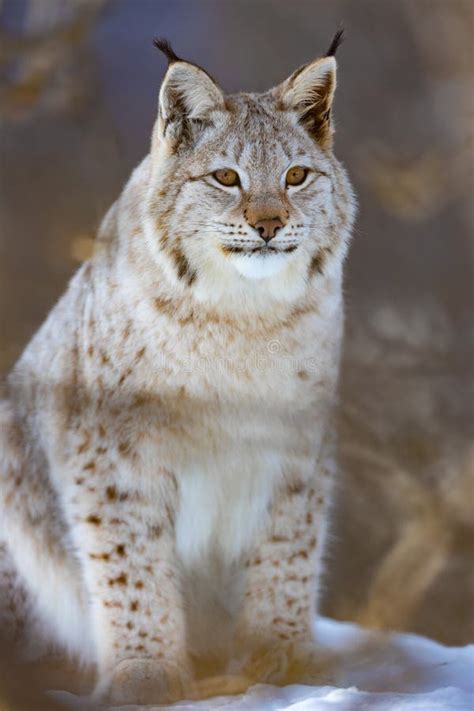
[245, 196]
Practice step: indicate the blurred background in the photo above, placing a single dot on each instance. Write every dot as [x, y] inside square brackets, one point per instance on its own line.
[79, 82]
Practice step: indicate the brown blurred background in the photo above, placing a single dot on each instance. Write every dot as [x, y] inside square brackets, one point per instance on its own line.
[78, 92]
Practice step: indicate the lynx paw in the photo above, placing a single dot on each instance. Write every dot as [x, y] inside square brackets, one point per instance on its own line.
[289, 663]
[144, 681]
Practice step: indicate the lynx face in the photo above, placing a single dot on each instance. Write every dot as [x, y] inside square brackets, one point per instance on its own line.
[243, 188]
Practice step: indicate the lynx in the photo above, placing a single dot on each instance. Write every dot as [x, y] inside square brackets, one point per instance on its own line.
[167, 438]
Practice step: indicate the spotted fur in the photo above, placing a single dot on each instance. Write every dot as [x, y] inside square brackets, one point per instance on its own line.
[166, 446]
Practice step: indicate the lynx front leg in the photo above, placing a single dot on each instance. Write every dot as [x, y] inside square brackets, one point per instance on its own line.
[276, 625]
[127, 545]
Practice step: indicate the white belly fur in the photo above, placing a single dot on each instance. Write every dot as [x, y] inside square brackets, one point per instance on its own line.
[223, 505]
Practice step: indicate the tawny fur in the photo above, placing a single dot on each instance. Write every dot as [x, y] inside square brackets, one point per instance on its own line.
[166, 444]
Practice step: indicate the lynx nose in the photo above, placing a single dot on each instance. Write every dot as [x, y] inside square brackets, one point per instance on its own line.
[268, 228]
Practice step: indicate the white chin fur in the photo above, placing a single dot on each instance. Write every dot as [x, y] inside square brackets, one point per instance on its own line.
[259, 266]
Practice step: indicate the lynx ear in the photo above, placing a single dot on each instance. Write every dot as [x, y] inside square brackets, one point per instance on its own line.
[310, 92]
[187, 96]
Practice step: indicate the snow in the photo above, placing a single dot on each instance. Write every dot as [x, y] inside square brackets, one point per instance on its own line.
[374, 671]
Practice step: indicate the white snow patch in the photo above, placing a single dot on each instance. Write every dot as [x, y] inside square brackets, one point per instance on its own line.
[375, 671]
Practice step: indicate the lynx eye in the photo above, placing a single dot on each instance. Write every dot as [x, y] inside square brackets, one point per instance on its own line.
[296, 175]
[227, 176]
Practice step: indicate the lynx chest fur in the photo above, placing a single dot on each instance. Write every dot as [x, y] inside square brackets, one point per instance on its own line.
[166, 453]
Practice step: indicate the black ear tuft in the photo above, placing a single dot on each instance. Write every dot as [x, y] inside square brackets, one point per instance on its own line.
[164, 46]
[336, 41]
